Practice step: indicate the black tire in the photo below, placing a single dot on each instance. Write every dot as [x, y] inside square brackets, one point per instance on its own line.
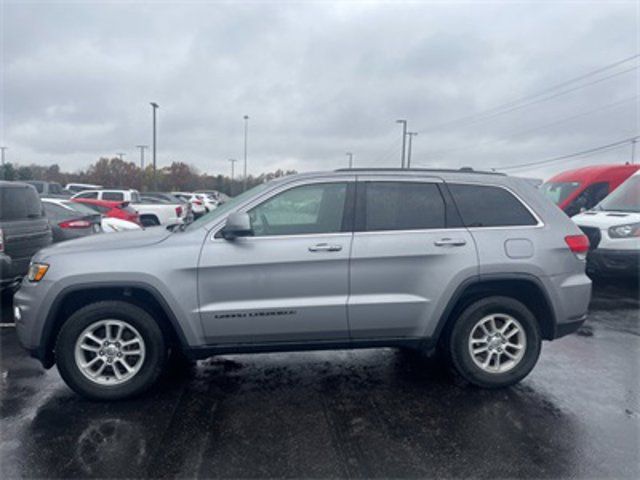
[458, 342]
[154, 345]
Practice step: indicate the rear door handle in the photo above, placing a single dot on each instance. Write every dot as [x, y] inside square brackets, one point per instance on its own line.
[450, 242]
[325, 247]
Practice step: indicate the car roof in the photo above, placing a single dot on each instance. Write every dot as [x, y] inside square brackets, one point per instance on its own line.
[595, 172]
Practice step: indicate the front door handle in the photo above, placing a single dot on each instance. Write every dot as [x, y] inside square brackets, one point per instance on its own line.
[450, 242]
[325, 247]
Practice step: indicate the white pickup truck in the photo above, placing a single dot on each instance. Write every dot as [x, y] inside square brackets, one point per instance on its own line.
[151, 214]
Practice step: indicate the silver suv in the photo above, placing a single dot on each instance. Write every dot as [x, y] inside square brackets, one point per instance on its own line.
[479, 266]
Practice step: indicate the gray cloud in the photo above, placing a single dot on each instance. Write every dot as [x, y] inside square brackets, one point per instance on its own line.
[317, 80]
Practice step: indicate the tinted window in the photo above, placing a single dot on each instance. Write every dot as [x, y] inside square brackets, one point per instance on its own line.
[484, 206]
[38, 186]
[55, 188]
[114, 196]
[135, 198]
[316, 208]
[56, 211]
[588, 198]
[19, 203]
[80, 208]
[403, 206]
[88, 195]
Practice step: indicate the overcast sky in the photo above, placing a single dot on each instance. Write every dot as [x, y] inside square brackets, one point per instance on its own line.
[317, 80]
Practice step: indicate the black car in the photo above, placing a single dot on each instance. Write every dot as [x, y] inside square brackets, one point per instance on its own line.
[24, 229]
[71, 220]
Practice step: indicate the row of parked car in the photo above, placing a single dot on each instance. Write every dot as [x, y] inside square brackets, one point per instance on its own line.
[604, 201]
[35, 213]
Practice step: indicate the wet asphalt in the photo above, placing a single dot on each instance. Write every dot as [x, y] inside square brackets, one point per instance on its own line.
[369, 413]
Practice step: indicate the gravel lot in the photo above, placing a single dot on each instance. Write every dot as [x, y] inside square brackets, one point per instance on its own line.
[369, 413]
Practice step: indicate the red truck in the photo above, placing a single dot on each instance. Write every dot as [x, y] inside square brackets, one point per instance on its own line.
[582, 188]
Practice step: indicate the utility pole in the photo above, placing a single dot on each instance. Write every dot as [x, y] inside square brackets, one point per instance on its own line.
[410, 135]
[404, 140]
[246, 135]
[633, 150]
[350, 155]
[155, 107]
[120, 155]
[142, 149]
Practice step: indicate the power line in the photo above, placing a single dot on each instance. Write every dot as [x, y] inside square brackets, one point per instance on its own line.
[570, 155]
[513, 134]
[514, 104]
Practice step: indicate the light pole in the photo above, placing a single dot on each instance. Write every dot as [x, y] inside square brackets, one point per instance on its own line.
[411, 135]
[246, 135]
[233, 164]
[142, 148]
[155, 107]
[350, 155]
[120, 155]
[404, 140]
[633, 151]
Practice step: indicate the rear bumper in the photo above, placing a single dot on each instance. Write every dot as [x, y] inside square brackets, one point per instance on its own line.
[567, 328]
[621, 262]
[12, 269]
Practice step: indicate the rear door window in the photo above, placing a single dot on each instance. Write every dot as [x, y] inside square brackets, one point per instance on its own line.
[87, 195]
[20, 203]
[489, 206]
[401, 206]
[113, 196]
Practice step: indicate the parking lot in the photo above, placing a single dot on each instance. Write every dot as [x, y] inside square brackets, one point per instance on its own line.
[369, 413]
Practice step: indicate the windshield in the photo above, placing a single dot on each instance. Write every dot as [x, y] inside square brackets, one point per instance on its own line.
[228, 206]
[625, 198]
[558, 192]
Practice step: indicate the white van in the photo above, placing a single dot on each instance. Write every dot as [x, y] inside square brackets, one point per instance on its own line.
[613, 228]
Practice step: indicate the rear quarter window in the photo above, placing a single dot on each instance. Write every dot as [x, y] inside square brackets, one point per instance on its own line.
[489, 206]
[20, 203]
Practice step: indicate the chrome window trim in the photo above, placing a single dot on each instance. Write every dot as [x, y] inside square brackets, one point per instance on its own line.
[266, 195]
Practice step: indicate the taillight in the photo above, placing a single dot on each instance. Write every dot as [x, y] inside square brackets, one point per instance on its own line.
[178, 211]
[1, 241]
[198, 202]
[75, 224]
[578, 244]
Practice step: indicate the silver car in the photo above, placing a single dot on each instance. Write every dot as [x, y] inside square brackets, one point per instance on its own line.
[478, 266]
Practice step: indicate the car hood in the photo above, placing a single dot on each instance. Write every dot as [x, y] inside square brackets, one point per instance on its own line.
[109, 241]
[604, 219]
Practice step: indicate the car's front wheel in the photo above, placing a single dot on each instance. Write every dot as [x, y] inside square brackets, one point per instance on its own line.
[110, 350]
[495, 342]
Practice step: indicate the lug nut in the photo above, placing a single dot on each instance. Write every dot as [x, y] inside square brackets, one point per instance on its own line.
[101, 353]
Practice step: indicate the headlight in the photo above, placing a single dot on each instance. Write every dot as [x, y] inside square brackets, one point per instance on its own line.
[625, 231]
[37, 271]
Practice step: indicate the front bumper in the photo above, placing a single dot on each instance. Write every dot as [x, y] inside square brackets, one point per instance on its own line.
[620, 262]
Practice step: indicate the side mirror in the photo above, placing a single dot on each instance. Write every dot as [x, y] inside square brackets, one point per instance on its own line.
[237, 225]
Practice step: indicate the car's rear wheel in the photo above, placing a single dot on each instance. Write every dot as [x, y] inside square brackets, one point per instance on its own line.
[495, 342]
[110, 350]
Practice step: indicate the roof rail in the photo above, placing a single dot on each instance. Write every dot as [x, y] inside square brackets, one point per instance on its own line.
[437, 170]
